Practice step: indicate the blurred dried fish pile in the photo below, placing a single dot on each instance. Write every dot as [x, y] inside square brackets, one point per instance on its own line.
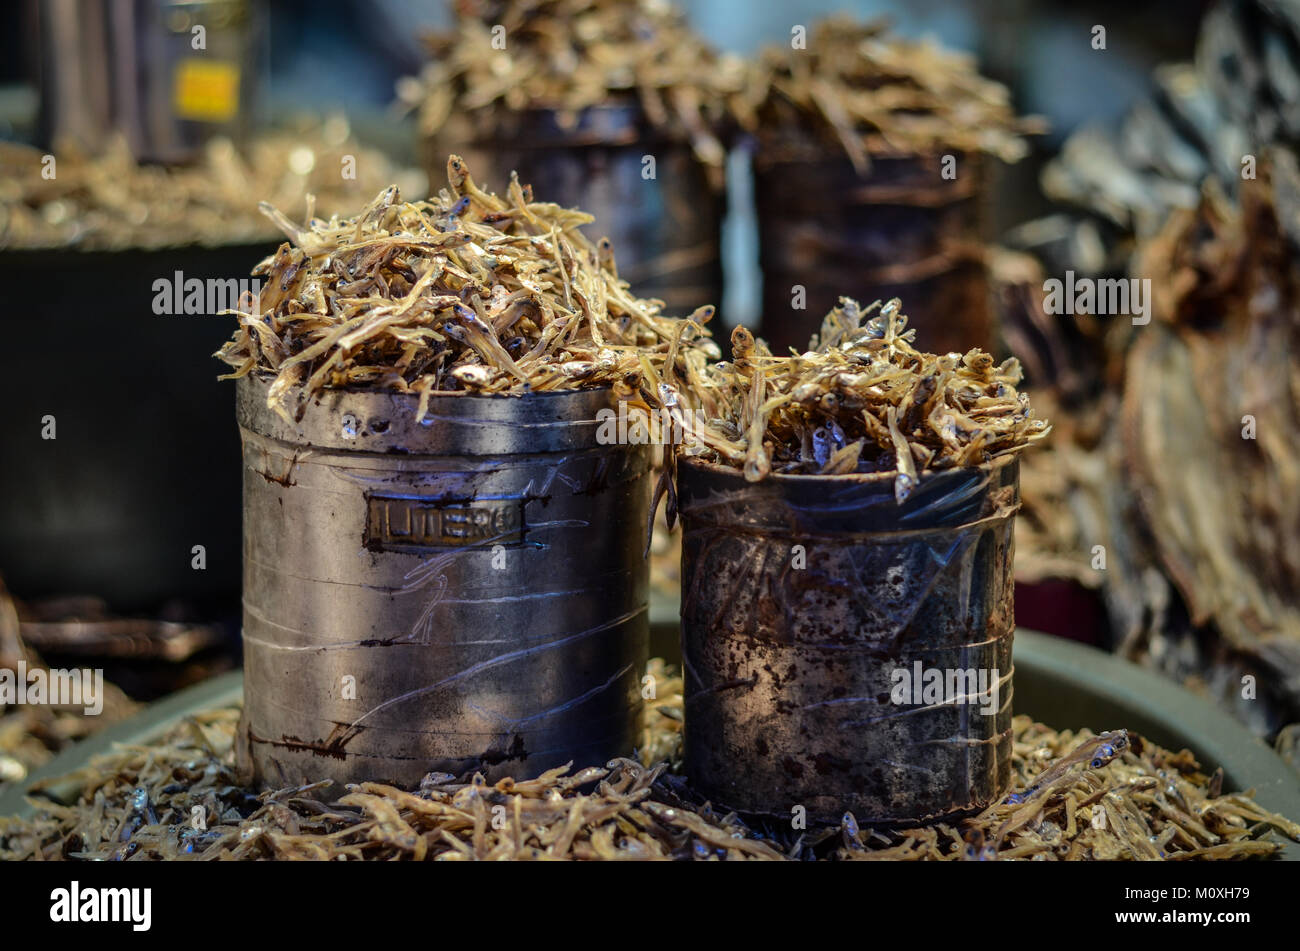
[31, 734]
[861, 399]
[464, 292]
[570, 55]
[1077, 797]
[1177, 441]
[110, 202]
[858, 89]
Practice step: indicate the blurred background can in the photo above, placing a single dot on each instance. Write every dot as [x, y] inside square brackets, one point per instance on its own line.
[649, 195]
[902, 229]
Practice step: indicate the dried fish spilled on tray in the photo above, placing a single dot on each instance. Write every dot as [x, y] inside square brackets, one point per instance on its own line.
[465, 292]
[862, 398]
[111, 202]
[858, 89]
[1075, 797]
[570, 55]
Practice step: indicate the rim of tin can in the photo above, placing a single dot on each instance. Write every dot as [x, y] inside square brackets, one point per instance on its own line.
[360, 419]
[538, 127]
[713, 493]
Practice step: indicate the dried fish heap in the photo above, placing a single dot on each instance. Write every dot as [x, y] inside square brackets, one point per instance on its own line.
[465, 293]
[861, 399]
[614, 107]
[136, 803]
[435, 384]
[504, 58]
[854, 88]
[847, 515]
[110, 202]
[869, 171]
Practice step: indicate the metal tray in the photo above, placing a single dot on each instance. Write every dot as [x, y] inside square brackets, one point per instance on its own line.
[1058, 682]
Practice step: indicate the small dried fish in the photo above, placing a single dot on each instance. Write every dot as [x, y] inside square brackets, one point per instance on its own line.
[1076, 797]
[568, 55]
[109, 201]
[861, 399]
[465, 292]
[857, 89]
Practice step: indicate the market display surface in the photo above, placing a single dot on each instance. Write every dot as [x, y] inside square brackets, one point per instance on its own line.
[1077, 796]
[474, 452]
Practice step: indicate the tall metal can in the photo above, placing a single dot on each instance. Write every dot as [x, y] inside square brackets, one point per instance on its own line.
[817, 613]
[463, 594]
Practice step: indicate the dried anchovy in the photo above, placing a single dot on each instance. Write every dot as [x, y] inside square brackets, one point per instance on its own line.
[464, 292]
[858, 89]
[569, 55]
[109, 202]
[861, 399]
[140, 803]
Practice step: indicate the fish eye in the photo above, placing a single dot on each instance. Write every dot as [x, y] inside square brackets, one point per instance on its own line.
[1096, 763]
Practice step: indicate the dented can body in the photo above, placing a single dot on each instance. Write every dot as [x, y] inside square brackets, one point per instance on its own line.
[901, 230]
[649, 195]
[463, 594]
[814, 609]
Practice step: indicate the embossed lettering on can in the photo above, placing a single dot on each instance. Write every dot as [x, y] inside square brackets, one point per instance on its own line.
[418, 523]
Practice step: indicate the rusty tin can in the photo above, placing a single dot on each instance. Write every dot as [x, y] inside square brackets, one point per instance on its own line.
[466, 594]
[902, 230]
[665, 219]
[814, 609]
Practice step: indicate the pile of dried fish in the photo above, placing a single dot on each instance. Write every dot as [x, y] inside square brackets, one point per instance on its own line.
[32, 734]
[464, 292]
[861, 399]
[569, 55]
[1075, 797]
[110, 202]
[1100, 797]
[857, 88]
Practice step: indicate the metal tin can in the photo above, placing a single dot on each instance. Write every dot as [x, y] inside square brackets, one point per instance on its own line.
[901, 231]
[664, 219]
[812, 606]
[465, 594]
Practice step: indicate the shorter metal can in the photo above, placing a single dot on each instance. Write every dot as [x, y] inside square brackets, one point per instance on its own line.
[843, 652]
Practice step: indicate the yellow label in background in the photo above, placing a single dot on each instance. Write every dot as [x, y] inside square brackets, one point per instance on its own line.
[206, 90]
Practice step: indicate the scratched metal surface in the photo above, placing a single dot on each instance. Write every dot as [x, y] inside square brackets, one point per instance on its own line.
[788, 668]
[469, 593]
